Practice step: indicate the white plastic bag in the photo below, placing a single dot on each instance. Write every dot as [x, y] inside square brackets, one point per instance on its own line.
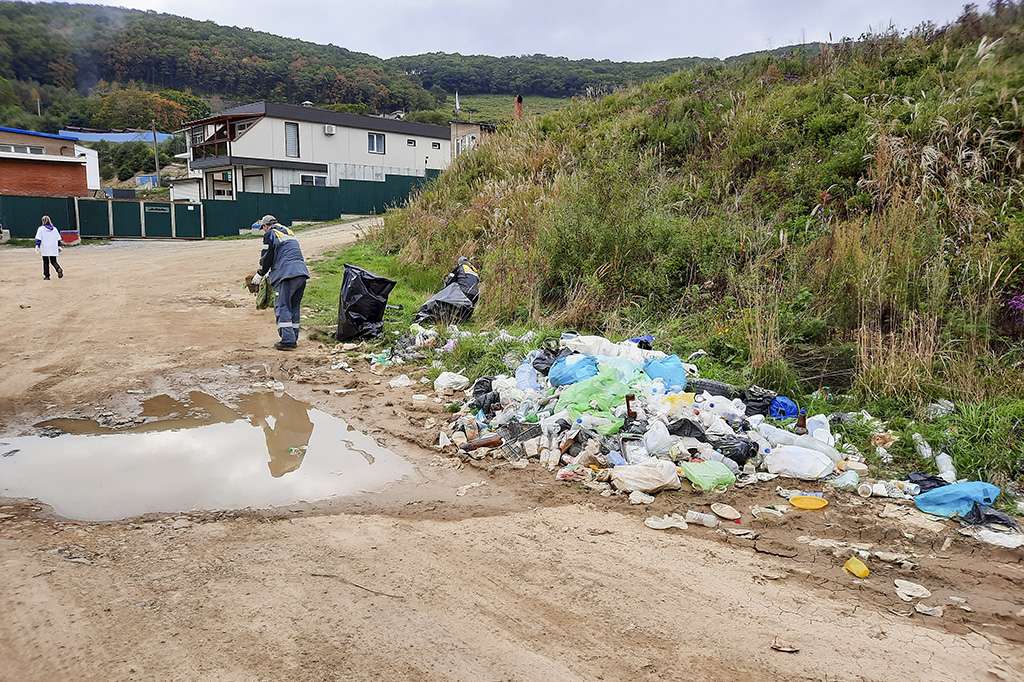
[797, 462]
[450, 381]
[650, 477]
[777, 436]
[658, 440]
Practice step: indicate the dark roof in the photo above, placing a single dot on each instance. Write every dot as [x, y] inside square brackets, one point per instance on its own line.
[34, 133]
[295, 112]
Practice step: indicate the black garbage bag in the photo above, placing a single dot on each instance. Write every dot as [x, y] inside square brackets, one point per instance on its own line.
[736, 448]
[758, 400]
[361, 304]
[484, 396]
[467, 278]
[982, 513]
[547, 357]
[448, 305]
[926, 481]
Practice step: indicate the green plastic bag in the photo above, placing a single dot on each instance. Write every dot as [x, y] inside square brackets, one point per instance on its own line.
[709, 475]
[597, 396]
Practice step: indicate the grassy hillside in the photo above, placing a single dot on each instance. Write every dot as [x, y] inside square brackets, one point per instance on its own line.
[491, 108]
[854, 217]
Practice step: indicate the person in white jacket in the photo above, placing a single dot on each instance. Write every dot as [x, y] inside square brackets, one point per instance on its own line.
[48, 245]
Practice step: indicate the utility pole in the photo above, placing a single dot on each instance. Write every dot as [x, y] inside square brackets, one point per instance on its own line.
[156, 153]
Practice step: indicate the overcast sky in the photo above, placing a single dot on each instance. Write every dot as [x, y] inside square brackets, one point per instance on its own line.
[637, 30]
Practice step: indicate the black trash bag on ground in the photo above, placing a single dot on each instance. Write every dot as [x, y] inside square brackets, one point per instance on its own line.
[467, 278]
[926, 481]
[982, 513]
[484, 396]
[736, 448]
[361, 304]
[448, 305]
[758, 400]
[687, 428]
[547, 357]
[721, 388]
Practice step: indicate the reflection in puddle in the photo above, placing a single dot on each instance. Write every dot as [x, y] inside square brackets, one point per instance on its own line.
[197, 455]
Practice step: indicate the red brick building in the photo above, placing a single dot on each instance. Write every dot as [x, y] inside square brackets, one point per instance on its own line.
[40, 164]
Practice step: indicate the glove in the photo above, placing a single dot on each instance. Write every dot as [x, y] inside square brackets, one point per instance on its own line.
[257, 279]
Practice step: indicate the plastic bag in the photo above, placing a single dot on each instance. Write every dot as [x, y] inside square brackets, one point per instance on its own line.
[668, 369]
[447, 382]
[448, 305]
[651, 476]
[361, 304]
[598, 395]
[658, 440]
[783, 408]
[598, 345]
[571, 369]
[708, 475]
[956, 499]
[526, 374]
[797, 462]
[758, 400]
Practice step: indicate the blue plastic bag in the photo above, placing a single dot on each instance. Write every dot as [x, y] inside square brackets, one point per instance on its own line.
[669, 369]
[956, 499]
[783, 408]
[572, 368]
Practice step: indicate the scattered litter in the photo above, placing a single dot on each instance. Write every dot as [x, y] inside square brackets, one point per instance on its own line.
[808, 502]
[665, 522]
[724, 511]
[759, 512]
[856, 567]
[1009, 540]
[462, 490]
[784, 648]
[401, 381]
[708, 520]
[926, 610]
[637, 497]
[449, 382]
[908, 591]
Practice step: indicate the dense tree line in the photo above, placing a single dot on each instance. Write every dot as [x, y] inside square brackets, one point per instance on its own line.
[76, 46]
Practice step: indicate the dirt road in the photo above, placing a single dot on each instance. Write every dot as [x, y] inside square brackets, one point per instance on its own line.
[521, 578]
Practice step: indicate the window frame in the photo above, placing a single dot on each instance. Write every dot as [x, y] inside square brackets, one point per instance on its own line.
[313, 180]
[371, 148]
[196, 135]
[298, 145]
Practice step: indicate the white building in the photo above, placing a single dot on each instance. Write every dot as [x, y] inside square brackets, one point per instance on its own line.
[266, 147]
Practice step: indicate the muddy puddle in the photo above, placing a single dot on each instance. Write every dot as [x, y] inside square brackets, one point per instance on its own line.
[197, 454]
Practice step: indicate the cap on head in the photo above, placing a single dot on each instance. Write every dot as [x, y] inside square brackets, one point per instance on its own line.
[268, 220]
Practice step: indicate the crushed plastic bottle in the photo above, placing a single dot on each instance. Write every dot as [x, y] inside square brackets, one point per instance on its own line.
[709, 520]
[946, 469]
[922, 447]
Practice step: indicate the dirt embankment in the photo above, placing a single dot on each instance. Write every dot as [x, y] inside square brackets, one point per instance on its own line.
[519, 578]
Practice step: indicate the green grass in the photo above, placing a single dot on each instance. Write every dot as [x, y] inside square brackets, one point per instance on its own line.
[498, 108]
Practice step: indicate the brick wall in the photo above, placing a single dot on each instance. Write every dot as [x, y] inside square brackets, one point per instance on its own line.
[36, 178]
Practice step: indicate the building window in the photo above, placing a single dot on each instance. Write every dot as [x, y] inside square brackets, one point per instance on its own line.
[435, 145]
[314, 180]
[197, 135]
[21, 149]
[411, 143]
[375, 143]
[291, 140]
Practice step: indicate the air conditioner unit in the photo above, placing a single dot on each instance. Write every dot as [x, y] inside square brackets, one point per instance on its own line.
[330, 129]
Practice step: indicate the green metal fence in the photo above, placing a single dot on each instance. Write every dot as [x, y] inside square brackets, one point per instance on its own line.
[211, 218]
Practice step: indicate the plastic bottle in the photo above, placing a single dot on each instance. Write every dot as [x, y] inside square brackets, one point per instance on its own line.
[709, 520]
[864, 490]
[715, 456]
[779, 436]
[923, 448]
[469, 425]
[947, 471]
[589, 421]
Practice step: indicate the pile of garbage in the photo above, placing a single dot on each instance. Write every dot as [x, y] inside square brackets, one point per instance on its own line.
[624, 419]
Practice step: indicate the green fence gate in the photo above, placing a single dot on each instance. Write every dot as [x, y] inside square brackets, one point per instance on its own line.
[157, 217]
[94, 217]
[188, 221]
[23, 215]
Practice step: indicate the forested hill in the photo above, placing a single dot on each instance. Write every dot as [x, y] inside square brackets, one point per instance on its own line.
[77, 46]
[549, 76]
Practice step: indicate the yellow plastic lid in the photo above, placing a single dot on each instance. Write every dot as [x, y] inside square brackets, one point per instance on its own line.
[808, 502]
